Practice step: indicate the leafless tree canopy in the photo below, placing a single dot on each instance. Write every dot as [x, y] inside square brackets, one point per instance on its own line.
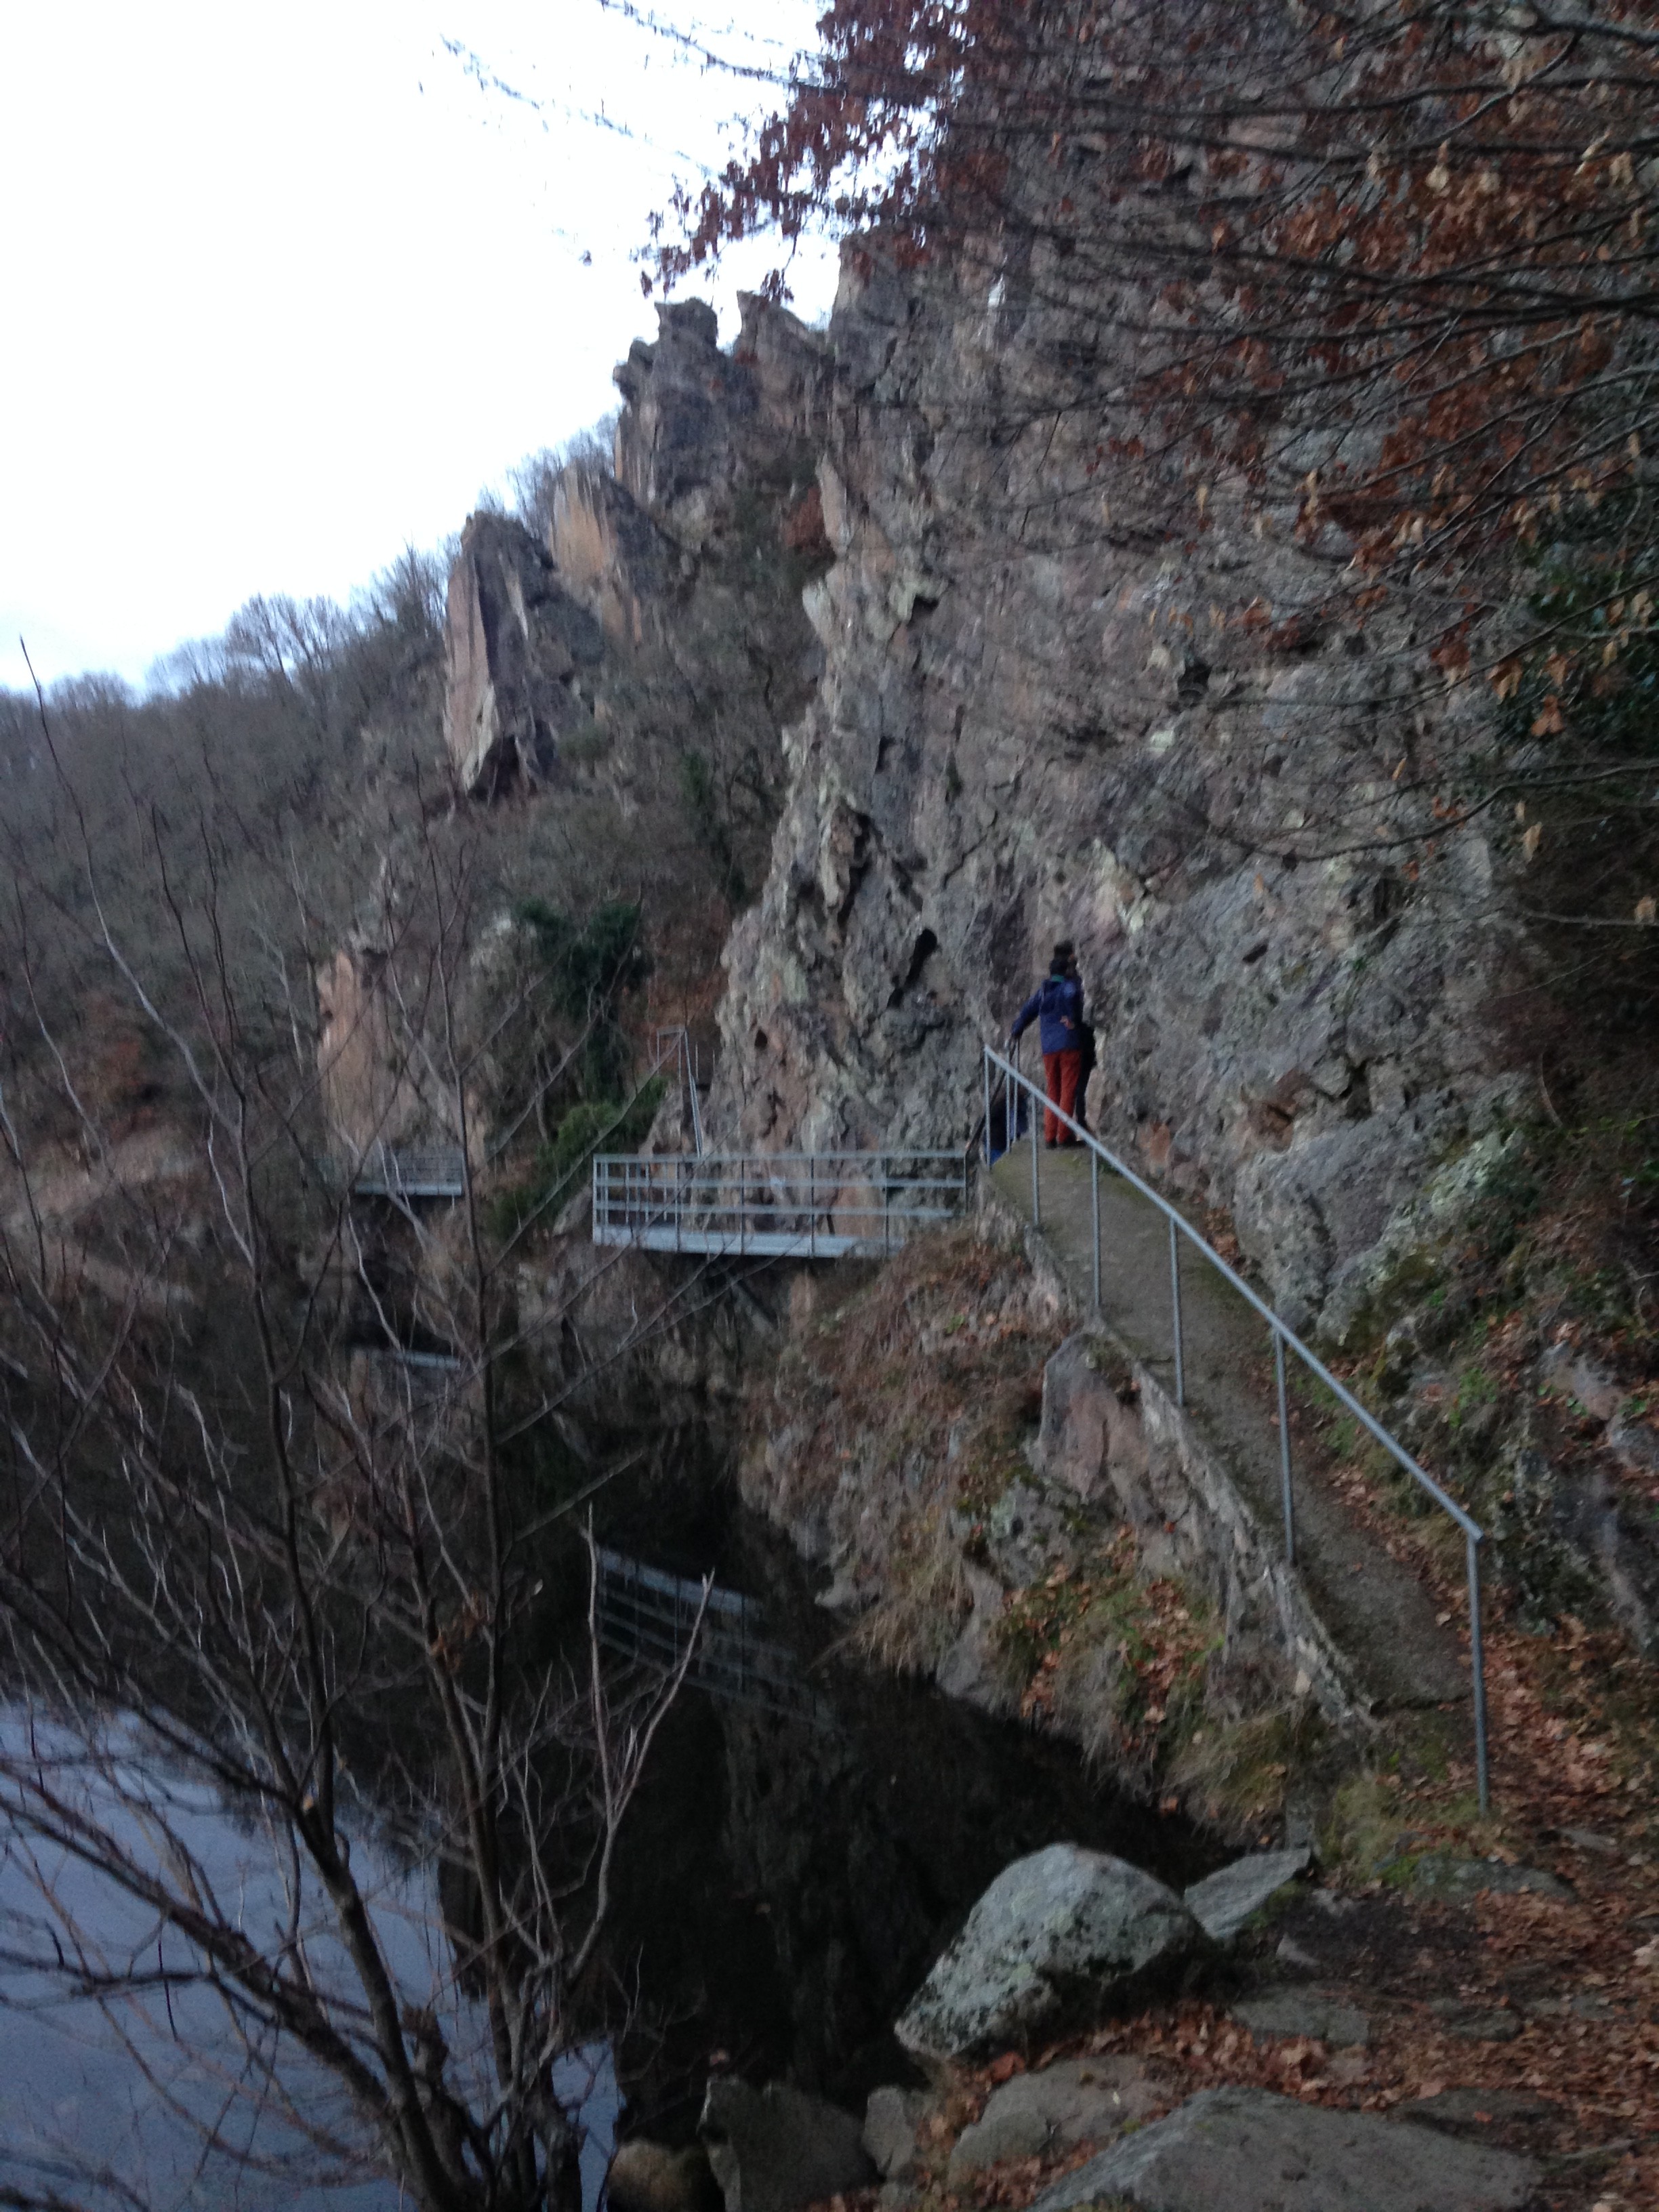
[270, 1542]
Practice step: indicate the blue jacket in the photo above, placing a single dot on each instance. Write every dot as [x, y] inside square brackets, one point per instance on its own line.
[1058, 1000]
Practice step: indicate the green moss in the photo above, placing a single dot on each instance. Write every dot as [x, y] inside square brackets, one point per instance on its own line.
[560, 1164]
[1362, 1833]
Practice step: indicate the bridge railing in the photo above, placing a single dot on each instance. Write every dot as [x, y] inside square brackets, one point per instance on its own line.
[405, 1171]
[675, 1046]
[811, 1205]
[1005, 1088]
[650, 1617]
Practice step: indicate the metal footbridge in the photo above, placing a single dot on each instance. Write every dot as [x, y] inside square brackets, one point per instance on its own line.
[665, 1622]
[805, 1205]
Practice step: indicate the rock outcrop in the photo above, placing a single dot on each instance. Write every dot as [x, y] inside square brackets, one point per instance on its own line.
[1058, 701]
[701, 426]
[714, 455]
[1058, 1937]
[1246, 2150]
[516, 651]
[638, 665]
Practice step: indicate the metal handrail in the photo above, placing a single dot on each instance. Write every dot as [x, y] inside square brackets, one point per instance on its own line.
[1284, 1337]
[719, 1160]
[676, 1044]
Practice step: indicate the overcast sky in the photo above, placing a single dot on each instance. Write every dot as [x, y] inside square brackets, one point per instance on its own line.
[285, 285]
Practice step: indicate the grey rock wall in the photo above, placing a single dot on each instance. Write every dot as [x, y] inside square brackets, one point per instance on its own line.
[515, 649]
[661, 619]
[1063, 696]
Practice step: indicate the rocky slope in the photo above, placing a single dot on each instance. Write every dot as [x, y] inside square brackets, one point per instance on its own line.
[1071, 687]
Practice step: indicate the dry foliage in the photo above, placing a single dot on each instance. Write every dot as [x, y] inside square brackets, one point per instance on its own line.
[901, 1412]
[901, 1422]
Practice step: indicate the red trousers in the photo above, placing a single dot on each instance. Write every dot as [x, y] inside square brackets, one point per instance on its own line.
[1060, 1071]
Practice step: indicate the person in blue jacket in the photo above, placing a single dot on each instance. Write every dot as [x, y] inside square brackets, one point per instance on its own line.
[1056, 1006]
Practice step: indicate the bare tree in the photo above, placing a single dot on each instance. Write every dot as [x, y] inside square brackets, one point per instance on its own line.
[266, 1556]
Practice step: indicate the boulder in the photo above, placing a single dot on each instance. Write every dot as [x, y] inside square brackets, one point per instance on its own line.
[1078, 2100]
[648, 2177]
[775, 2150]
[1223, 1902]
[1057, 1938]
[892, 2122]
[1246, 2150]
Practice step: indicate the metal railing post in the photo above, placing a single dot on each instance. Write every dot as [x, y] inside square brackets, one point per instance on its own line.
[1094, 1207]
[1036, 1196]
[1288, 1501]
[1174, 1315]
[1477, 1671]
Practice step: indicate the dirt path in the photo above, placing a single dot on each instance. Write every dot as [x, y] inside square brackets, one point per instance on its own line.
[1378, 1612]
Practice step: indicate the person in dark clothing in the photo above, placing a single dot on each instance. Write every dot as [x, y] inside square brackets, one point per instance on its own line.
[1056, 1006]
[1085, 1031]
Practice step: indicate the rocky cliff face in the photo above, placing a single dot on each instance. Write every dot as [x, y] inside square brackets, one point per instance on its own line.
[650, 651]
[1066, 694]
[516, 649]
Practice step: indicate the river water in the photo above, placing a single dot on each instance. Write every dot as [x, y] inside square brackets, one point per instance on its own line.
[784, 1881]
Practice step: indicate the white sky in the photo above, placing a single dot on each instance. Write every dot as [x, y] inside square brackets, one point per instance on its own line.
[285, 288]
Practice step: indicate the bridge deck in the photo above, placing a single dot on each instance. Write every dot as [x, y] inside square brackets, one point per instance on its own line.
[741, 1243]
